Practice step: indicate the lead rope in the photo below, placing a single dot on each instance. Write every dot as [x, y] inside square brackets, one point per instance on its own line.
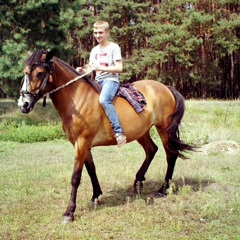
[68, 83]
[63, 86]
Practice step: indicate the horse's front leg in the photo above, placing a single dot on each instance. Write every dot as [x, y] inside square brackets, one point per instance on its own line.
[80, 158]
[76, 178]
[90, 166]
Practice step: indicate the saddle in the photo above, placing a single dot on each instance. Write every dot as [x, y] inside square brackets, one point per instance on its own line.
[127, 91]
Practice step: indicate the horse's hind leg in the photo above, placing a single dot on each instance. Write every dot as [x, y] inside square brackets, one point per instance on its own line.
[150, 149]
[92, 174]
[171, 157]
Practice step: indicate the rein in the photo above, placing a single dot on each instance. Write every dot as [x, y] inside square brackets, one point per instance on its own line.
[67, 84]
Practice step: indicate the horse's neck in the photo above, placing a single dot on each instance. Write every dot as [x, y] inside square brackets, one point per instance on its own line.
[70, 98]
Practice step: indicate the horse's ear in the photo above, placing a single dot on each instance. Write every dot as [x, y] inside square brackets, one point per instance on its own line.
[49, 55]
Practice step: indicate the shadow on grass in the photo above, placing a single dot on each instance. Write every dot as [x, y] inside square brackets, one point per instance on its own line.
[120, 196]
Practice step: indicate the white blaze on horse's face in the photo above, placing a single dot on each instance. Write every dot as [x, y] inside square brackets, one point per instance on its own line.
[25, 100]
[26, 85]
[30, 86]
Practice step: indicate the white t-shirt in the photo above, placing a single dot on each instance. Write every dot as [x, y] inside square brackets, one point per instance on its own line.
[106, 57]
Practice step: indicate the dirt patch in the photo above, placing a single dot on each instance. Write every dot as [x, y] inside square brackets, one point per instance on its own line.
[227, 146]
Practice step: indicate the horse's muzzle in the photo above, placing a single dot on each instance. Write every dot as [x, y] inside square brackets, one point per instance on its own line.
[26, 103]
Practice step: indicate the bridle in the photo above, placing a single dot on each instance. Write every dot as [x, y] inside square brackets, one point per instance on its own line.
[25, 81]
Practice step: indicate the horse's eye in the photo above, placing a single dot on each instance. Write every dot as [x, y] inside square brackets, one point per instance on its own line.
[40, 74]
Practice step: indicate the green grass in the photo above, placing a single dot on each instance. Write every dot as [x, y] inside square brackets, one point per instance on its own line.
[40, 125]
[204, 121]
[207, 121]
[203, 204]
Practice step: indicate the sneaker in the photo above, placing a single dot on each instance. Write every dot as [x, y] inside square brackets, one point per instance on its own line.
[121, 139]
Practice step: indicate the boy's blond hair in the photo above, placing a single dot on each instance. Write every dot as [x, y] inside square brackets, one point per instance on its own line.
[101, 24]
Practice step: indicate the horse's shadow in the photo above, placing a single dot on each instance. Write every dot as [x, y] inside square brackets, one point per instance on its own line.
[123, 195]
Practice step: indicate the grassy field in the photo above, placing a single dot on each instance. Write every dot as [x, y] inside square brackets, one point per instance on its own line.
[35, 181]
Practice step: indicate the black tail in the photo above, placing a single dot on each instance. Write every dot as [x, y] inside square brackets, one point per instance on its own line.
[176, 145]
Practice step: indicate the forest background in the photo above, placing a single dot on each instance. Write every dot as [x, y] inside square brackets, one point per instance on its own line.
[193, 46]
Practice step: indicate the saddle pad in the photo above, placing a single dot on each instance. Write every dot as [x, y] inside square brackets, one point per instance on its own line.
[133, 96]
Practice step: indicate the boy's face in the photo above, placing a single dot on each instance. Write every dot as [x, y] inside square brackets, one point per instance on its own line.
[100, 34]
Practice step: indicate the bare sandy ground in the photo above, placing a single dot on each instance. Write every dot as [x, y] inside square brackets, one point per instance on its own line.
[227, 146]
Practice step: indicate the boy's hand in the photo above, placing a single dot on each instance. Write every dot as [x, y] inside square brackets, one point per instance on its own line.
[79, 69]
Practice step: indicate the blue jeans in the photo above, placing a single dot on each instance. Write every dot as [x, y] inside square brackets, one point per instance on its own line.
[108, 92]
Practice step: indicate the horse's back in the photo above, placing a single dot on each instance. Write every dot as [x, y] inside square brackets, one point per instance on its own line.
[160, 105]
[154, 91]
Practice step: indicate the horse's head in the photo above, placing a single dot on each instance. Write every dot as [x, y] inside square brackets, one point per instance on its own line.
[37, 79]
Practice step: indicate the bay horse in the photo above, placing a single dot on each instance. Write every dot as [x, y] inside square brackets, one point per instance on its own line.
[86, 125]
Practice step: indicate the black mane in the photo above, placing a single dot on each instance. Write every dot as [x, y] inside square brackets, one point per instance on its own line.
[67, 65]
[94, 84]
[35, 58]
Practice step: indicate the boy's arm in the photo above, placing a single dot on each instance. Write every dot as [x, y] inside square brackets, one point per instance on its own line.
[116, 68]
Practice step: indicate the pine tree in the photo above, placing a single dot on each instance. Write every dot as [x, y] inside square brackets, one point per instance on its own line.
[193, 46]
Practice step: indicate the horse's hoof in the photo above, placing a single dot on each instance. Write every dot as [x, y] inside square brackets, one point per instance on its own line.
[160, 195]
[67, 219]
[95, 203]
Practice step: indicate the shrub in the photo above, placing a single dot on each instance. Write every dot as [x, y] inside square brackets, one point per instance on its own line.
[24, 131]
